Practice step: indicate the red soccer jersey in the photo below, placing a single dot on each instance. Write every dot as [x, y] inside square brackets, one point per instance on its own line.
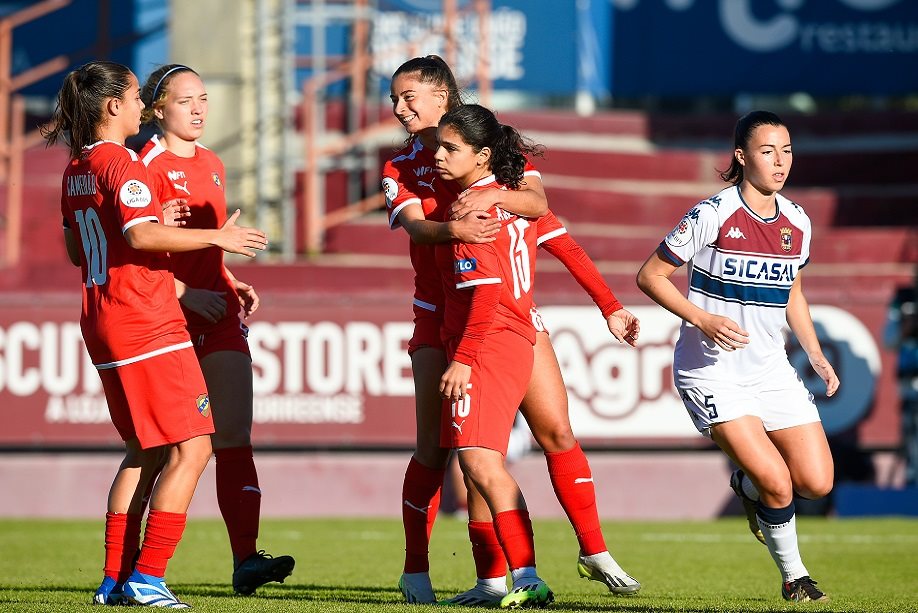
[410, 178]
[129, 305]
[509, 262]
[200, 180]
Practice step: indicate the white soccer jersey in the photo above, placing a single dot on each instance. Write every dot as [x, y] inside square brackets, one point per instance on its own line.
[741, 266]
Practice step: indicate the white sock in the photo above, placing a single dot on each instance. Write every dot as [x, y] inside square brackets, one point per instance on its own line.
[749, 488]
[782, 545]
[524, 572]
[496, 585]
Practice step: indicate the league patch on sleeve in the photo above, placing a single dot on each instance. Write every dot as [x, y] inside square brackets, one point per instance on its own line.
[463, 266]
[390, 189]
[681, 234]
[135, 194]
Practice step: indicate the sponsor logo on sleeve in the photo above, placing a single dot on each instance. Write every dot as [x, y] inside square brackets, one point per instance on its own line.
[467, 265]
[390, 189]
[681, 234]
[203, 404]
[135, 194]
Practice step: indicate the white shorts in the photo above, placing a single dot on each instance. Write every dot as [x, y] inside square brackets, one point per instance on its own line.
[780, 400]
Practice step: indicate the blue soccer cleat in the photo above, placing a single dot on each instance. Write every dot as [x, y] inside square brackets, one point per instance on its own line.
[110, 593]
[151, 591]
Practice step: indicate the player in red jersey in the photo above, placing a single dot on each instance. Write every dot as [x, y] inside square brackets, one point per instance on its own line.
[423, 89]
[212, 299]
[133, 327]
[489, 336]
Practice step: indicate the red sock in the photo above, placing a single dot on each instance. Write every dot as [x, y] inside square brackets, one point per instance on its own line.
[122, 539]
[490, 562]
[420, 503]
[239, 498]
[573, 482]
[163, 533]
[514, 531]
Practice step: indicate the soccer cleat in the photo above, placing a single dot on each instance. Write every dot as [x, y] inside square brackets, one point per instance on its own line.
[749, 505]
[416, 588]
[478, 596]
[603, 568]
[110, 593]
[802, 590]
[151, 591]
[529, 593]
[258, 569]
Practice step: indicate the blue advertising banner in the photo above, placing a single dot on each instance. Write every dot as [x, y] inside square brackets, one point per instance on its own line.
[724, 47]
[539, 46]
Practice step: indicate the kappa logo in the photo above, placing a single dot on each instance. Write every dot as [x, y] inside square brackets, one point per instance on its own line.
[426, 184]
[183, 187]
[735, 232]
[583, 480]
[459, 426]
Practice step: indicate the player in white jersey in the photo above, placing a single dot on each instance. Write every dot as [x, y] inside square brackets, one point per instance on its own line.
[746, 248]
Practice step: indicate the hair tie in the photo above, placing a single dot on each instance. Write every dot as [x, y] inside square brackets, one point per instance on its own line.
[162, 78]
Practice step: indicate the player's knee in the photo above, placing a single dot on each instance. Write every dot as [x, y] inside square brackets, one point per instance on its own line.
[556, 439]
[816, 489]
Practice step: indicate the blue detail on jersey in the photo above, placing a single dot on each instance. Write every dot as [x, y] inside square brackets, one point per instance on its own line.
[463, 266]
[738, 291]
[667, 253]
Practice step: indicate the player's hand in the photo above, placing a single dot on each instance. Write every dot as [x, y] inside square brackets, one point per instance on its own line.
[624, 326]
[726, 333]
[208, 304]
[247, 298]
[455, 381]
[476, 227]
[821, 365]
[175, 211]
[476, 200]
[240, 239]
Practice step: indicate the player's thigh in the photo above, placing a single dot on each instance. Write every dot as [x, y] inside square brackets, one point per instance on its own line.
[545, 403]
[229, 383]
[744, 439]
[806, 452]
[427, 366]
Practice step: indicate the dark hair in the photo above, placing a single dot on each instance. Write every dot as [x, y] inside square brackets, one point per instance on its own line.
[79, 111]
[433, 69]
[479, 128]
[741, 135]
[155, 91]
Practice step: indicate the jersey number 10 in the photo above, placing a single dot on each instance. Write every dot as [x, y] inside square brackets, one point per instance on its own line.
[94, 247]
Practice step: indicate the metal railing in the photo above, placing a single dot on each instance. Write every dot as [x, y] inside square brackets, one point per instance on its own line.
[14, 137]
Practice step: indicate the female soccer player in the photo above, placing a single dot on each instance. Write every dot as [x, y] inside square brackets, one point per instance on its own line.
[211, 299]
[489, 335]
[423, 89]
[747, 246]
[133, 327]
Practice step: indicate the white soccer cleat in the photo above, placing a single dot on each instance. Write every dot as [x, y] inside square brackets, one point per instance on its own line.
[151, 591]
[603, 568]
[416, 588]
[478, 596]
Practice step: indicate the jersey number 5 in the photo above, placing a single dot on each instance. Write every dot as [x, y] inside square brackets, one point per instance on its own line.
[95, 247]
[519, 258]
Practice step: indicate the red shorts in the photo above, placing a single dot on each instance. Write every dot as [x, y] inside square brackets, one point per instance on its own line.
[159, 400]
[426, 330]
[228, 334]
[500, 377]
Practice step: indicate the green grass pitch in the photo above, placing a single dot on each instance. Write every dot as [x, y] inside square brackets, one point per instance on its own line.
[354, 564]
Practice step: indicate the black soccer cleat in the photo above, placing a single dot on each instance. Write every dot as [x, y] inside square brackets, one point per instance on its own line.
[258, 569]
[802, 590]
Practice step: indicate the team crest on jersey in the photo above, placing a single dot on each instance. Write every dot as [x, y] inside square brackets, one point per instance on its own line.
[135, 194]
[216, 179]
[787, 239]
[681, 234]
[203, 404]
[390, 189]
